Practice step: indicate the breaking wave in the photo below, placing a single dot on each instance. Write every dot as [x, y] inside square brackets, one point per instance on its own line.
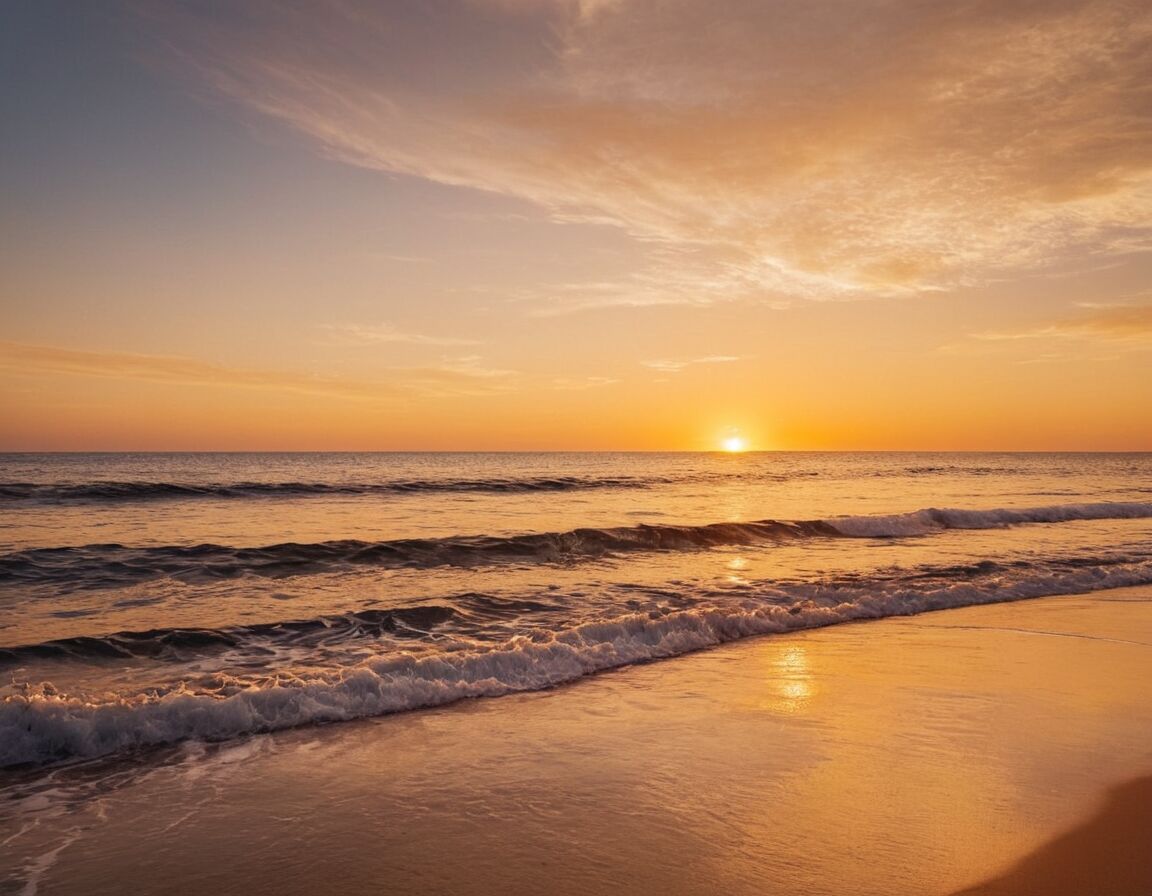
[114, 565]
[42, 724]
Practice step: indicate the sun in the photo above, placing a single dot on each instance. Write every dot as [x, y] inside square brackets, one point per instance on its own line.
[734, 444]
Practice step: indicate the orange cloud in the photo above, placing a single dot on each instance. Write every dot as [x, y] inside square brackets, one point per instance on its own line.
[374, 334]
[1123, 323]
[829, 148]
[669, 365]
[461, 377]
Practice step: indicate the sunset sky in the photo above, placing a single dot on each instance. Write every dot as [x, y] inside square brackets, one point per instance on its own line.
[576, 224]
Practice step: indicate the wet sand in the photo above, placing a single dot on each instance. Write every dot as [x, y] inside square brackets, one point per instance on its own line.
[989, 750]
[1106, 854]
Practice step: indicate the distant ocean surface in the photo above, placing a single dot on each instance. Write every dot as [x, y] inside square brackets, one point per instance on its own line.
[149, 599]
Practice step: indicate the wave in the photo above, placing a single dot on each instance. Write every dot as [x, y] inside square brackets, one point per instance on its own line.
[488, 617]
[116, 565]
[96, 492]
[41, 724]
[175, 644]
[130, 491]
[113, 565]
[925, 522]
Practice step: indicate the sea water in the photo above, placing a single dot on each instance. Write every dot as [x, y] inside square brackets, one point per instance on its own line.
[150, 599]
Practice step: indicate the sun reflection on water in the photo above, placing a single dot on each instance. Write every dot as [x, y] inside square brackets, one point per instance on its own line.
[791, 684]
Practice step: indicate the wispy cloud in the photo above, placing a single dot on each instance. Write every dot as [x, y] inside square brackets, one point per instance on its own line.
[816, 149]
[448, 379]
[675, 366]
[1121, 323]
[578, 384]
[473, 366]
[369, 334]
[673, 276]
[402, 259]
[1118, 322]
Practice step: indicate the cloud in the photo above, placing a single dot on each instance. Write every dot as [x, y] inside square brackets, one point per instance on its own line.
[824, 148]
[569, 384]
[449, 379]
[1118, 323]
[471, 366]
[368, 334]
[402, 259]
[674, 276]
[673, 366]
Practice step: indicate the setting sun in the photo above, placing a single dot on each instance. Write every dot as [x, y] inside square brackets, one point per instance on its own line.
[734, 444]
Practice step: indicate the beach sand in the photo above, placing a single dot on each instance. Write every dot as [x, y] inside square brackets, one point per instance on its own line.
[989, 750]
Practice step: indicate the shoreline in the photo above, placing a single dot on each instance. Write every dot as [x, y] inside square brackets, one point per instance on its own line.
[940, 753]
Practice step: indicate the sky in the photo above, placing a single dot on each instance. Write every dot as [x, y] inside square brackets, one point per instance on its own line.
[576, 225]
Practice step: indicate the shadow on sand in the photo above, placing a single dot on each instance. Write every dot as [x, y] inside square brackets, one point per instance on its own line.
[1108, 855]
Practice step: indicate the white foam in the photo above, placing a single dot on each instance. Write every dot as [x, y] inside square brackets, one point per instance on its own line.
[925, 522]
[43, 725]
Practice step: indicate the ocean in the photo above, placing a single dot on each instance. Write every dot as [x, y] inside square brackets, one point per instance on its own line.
[162, 599]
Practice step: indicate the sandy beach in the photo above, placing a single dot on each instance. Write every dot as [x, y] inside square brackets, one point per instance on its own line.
[987, 750]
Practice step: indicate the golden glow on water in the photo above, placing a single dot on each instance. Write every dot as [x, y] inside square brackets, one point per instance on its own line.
[790, 679]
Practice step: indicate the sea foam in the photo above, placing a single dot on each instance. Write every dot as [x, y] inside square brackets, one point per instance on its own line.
[42, 725]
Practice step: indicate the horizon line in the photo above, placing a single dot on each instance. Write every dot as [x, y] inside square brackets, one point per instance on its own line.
[720, 451]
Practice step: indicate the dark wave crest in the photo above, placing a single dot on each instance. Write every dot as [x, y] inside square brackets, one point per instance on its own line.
[114, 491]
[177, 644]
[97, 492]
[116, 565]
[113, 565]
